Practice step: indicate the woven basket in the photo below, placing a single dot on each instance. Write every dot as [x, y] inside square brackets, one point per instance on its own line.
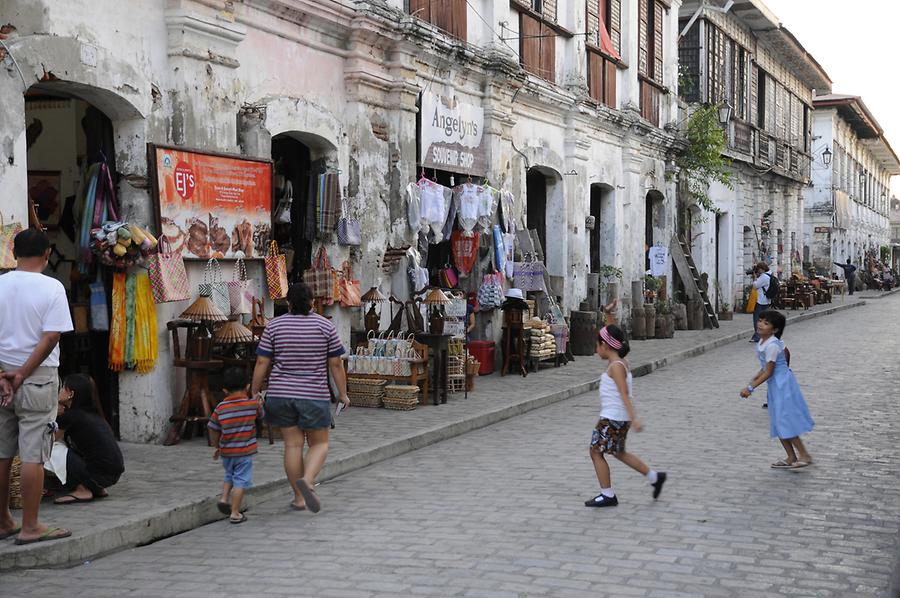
[15, 484]
[472, 367]
[455, 366]
[366, 392]
[401, 404]
[397, 391]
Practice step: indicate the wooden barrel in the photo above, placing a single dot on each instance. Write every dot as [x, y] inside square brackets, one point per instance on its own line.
[583, 332]
[638, 324]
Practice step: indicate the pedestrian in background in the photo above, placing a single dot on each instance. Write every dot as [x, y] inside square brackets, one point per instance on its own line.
[232, 431]
[617, 416]
[788, 414]
[850, 274]
[762, 280]
[34, 312]
[296, 353]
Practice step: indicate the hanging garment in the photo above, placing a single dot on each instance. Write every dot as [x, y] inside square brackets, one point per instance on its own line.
[507, 219]
[413, 214]
[117, 329]
[130, 313]
[487, 206]
[450, 223]
[499, 248]
[466, 197]
[434, 206]
[465, 250]
[146, 349]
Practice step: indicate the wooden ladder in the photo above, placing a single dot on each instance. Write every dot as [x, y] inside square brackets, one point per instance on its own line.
[681, 255]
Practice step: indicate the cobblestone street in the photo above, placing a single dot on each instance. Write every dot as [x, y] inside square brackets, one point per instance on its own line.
[498, 512]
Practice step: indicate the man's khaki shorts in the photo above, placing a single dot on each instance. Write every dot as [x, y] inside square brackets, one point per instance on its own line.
[26, 425]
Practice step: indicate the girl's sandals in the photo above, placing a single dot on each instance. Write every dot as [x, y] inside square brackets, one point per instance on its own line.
[782, 464]
[241, 519]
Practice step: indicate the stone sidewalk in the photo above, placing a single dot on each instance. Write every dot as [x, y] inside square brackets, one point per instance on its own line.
[169, 490]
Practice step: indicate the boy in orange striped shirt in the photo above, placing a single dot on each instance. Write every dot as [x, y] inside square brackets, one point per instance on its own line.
[232, 431]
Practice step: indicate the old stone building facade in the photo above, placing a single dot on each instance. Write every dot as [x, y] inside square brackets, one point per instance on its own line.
[739, 54]
[847, 205]
[572, 94]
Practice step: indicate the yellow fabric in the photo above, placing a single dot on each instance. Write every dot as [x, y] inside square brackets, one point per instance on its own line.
[145, 340]
[117, 326]
[751, 302]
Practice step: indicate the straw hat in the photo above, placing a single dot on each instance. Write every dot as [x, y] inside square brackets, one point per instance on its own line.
[514, 294]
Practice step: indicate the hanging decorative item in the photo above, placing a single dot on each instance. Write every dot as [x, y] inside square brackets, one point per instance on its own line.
[349, 288]
[465, 250]
[215, 287]
[239, 295]
[120, 244]
[276, 272]
[133, 333]
[168, 277]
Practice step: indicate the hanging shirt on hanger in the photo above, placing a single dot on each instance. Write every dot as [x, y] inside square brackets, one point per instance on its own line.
[434, 206]
[466, 197]
[413, 214]
[487, 206]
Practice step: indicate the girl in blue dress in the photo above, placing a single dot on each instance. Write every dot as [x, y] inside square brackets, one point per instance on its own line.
[788, 414]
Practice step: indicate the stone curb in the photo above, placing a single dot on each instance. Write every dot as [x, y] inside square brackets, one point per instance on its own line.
[150, 527]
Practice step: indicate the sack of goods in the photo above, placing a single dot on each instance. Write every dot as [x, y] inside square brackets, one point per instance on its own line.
[120, 244]
[543, 343]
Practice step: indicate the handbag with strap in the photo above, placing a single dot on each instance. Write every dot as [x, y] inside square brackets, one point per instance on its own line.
[276, 272]
[283, 211]
[350, 289]
[239, 295]
[321, 278]
[215, 287]
[348, 229]
[168, 277]
[8, 233]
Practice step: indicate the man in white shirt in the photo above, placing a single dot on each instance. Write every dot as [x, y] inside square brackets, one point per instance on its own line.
[762, 281]
[34, 312]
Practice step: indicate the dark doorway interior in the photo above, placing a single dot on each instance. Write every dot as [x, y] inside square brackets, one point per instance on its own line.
[596, 211]
[536, 198]
[293, 163]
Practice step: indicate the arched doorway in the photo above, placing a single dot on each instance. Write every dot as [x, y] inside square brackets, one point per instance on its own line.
[546, 215]
[299, 159]
[65, 137]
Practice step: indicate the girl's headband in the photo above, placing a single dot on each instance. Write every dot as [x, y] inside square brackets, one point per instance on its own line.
[609, 340]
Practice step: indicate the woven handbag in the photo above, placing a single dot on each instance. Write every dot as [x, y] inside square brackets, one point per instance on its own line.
[321, 278]
[350, 289]
[168, 277]
[239, 295]
[348, 229]
[215, 287]
[8, 233]
[276, 272]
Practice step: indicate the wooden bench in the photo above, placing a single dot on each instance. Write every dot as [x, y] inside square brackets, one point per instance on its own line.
[417, 377]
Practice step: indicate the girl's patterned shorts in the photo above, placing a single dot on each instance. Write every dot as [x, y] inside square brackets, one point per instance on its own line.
[609, 436]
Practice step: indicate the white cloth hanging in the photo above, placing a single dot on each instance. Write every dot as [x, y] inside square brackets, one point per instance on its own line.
[487, 206]
[507, 205]
[413, 214]
[466, 197]
[434, 206]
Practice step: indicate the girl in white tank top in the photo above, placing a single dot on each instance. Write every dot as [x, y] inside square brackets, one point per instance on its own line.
[616, 418]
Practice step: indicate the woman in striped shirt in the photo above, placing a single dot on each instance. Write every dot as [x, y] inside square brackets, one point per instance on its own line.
[295, 355]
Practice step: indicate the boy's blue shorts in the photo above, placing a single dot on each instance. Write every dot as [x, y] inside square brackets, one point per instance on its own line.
[238, 471]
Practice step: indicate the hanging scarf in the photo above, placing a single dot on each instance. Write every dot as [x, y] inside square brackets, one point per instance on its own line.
[117, 328]
[130, 284]
[145, 342]
[87, 218]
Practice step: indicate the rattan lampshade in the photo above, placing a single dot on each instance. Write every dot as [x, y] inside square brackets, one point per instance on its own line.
[203, 309]
[373, 295]
[233, 331]
[436, 297]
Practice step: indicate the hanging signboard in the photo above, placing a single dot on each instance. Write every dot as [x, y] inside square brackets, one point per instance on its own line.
[212, 205]
[451, 135]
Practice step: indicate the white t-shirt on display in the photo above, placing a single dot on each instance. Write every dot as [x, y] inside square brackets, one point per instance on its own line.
[30, 305]
[762, 283]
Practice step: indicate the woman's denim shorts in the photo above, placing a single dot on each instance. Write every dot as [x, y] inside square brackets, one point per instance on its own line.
[306, 414]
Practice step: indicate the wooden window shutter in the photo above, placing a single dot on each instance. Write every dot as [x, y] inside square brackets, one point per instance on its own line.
[609, 84]
[592, 21]
[658, 12]
[420, 9]
[530, 43]
[458, 21]
[754, 94]
[595, 77]
[644, 38]
[548, 53]
[549, 10]
[614, 16]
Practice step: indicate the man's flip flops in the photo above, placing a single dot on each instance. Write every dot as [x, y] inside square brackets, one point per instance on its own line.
[309, 495]
[72, 500]
[54, 533]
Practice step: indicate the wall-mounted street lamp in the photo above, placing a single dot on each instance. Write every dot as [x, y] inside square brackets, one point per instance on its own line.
[826, 157]
[862, 176]
[724, 113]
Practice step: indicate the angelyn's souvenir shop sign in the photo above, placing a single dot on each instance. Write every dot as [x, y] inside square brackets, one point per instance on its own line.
[212, 205]
[451, 135]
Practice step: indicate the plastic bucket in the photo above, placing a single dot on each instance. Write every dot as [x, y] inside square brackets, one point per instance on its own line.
[483, 352]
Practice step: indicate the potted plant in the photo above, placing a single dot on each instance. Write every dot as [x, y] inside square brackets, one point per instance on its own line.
[665, 319]
[609, 277]
[651, 286]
